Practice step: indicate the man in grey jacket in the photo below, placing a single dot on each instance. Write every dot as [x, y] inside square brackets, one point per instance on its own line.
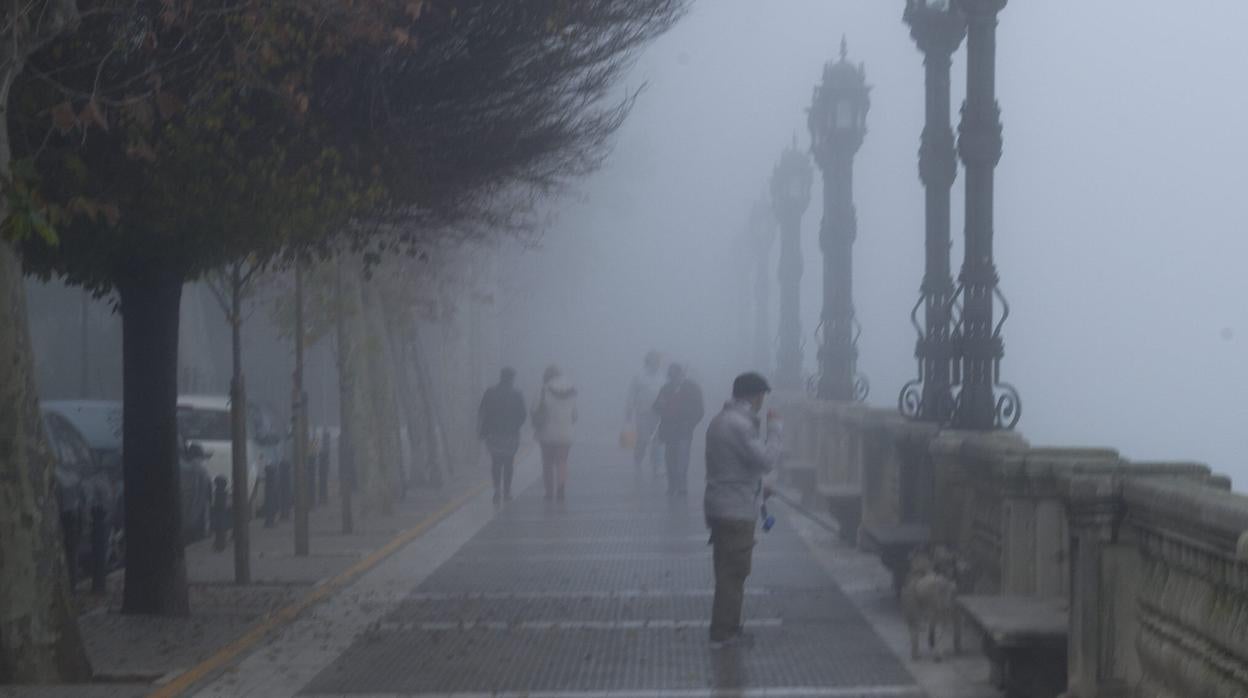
[738, 455]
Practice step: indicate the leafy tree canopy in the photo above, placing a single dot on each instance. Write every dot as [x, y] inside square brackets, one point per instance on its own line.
[184, 134]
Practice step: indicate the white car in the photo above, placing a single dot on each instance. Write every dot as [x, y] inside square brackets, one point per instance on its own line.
[205, 420]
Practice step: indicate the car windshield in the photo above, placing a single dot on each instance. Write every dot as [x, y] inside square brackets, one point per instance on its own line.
[204, 425]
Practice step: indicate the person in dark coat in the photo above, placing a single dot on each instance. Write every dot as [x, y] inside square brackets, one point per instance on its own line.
[680, 410]
[499, 419]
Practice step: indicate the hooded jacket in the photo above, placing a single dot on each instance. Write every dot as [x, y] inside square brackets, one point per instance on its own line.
[737, 458]
[554, 413]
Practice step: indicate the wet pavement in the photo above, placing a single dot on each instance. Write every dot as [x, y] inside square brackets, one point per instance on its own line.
[607, 593]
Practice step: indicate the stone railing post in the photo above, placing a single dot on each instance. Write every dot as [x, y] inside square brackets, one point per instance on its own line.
[984, 459]
[1191, 592]
[839, 464]
[872, 452]
[950, 490]
[1036, 545]
[1094, 510]
[1106, 574]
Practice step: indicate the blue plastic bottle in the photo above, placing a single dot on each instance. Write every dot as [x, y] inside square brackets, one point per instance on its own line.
[768, 520]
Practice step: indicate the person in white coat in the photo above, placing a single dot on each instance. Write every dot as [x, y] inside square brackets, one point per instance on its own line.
[639, 412]
[554, 415]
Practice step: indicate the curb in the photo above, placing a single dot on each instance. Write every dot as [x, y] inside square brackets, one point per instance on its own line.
[284, 616]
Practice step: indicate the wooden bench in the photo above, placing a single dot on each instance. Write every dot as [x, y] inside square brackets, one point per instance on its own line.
[845, 505]
[894, 545]
[1024, 638]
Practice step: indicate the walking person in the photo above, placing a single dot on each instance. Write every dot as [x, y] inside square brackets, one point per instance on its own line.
[738, 455]
[554, 415]
[639, 412]
[499, 419]
[680, 410]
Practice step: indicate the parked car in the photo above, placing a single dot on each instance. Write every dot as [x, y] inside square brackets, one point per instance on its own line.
[81, 484]
[98, 424]
[204, 420]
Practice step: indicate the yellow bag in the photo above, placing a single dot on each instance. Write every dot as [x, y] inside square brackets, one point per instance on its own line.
[628, 439]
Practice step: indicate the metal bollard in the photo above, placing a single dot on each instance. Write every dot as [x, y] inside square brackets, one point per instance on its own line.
[270, 496]
[99, 548]
[220, 512]
[322, 478]
[284, 490]
[310, 468]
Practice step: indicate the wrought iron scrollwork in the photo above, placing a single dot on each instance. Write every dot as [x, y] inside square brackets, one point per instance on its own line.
[1009, 406]
[1008, 402]
[910, 401]
[862, 387]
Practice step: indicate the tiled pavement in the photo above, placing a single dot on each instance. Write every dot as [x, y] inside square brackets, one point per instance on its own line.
[609, 594]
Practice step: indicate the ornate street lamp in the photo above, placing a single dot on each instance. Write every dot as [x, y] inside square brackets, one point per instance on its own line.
[983, 401]
[838, 124]
[790, 195]
[938, 28]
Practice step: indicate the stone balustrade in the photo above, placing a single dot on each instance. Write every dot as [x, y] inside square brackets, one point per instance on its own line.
[1151, 557]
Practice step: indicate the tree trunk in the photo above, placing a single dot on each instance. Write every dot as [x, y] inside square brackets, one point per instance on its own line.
[433, 436]
[238, 434]
[39, 640]
[300, 426]
[346, 459]
[84, 359]
[403, 390]
[155, 561]
[385, 408]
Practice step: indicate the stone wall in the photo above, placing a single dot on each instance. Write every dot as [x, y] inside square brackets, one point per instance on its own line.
[1152, 557]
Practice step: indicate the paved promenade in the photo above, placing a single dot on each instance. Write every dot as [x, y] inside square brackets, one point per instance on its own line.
[607, 593]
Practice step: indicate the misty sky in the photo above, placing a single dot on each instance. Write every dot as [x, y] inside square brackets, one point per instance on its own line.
[1120, 215]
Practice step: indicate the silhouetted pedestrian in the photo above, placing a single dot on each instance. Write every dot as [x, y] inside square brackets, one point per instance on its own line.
[738, 455]
[680, 409]
[499, 419]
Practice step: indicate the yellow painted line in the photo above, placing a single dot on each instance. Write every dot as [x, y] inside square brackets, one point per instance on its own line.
[285, 615]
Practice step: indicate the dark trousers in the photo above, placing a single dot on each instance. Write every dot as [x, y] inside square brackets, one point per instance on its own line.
[676, 458]
[733, 546]
[503, 466]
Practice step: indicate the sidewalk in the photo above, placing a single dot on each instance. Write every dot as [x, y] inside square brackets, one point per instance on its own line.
[869, 586]
[606, 593]
[132, 655]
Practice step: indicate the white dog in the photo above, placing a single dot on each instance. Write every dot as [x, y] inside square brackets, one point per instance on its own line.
[927, 598]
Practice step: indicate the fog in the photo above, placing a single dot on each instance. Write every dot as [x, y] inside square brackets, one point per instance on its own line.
[1119, 220]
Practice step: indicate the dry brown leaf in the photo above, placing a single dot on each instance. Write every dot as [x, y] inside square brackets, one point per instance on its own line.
[63, 117]
[93, 113]
[168, 104]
